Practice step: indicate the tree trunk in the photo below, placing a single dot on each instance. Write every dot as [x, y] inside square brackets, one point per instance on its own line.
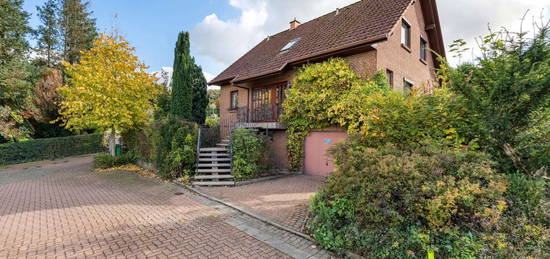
[112, 142]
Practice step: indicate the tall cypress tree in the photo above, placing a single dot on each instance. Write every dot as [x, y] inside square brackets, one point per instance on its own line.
[182, 86]
[200, 94]
[78, 29]
[48, 32]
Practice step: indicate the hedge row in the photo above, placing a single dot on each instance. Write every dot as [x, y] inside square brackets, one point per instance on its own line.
[50, 148]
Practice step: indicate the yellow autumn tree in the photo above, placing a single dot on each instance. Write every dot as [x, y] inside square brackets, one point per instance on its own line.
[108, 90]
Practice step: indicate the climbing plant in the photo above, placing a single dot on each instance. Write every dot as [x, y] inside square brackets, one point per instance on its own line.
[332, 94]
[315, 101]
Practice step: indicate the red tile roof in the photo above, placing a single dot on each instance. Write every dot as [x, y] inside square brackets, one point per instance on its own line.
[360, 23]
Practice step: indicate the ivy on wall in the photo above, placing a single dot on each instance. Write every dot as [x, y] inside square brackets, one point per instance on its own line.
[319, 94]
[332, 94]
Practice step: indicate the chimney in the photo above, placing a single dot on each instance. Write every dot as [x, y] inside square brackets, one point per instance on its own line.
[294, 24]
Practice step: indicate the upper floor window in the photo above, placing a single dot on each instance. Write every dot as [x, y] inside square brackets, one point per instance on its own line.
[389, 75]
[234, 100]
[405, 33]
[423, 49]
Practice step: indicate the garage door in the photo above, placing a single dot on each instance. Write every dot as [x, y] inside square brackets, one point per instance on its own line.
[317, 160]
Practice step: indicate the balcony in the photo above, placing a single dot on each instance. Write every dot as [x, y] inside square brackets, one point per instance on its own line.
[265, 116]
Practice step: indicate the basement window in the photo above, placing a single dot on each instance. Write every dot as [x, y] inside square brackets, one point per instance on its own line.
[290, 44]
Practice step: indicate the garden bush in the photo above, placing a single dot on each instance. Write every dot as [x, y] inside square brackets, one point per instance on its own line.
[391, 202]
[332, 94]
[248, 150]
[504, 89]
[105, 160]
[174, 144]
[51, 148]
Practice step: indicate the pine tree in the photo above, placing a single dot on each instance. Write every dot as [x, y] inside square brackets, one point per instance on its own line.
[14, 87]
[78, 29]
[48, 33]
[200, 95]
[13, 30]
[182, 85]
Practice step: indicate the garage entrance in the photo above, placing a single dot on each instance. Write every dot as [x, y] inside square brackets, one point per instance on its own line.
[317, 160]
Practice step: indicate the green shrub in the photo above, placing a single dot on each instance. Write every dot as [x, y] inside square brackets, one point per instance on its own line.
[140, 142]
[505, 87]
[51, 148]
[388, 202]
[174, 148]
[534, 142]
[105, 161]
[248, 150]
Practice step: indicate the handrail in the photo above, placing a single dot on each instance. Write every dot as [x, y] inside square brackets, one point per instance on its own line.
[198, 153]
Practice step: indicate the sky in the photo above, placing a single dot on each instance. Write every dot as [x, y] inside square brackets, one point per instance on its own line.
[223, 30]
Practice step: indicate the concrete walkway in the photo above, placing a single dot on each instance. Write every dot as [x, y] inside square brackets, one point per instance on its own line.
[62, 209]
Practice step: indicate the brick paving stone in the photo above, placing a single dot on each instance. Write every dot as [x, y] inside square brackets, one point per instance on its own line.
[62, 209]
[283, 200]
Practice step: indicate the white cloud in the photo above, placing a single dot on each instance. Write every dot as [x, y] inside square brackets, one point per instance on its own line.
[469, 19]
[225, 40]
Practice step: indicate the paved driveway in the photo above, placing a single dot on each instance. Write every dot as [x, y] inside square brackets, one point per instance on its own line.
[285, 200]
[63, 209]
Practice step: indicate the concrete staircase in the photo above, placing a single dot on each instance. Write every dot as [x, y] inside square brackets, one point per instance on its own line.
[214, 167]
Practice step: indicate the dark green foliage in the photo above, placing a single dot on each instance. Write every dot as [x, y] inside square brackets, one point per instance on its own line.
[174, 144]
[15, 89]
[140, 142]
[508, 83]
[200, 95]
[78, 29]
[42, 149]
[48, 32]
[164, 102]
[13, 30]
[105, 160]
[392, 203]
[248, 151]
[534, 142]
[182, 84]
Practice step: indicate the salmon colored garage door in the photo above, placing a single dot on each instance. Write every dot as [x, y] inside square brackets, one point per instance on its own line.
[317, 159]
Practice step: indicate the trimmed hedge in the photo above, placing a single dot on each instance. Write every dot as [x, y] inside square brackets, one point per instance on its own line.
[50, 148]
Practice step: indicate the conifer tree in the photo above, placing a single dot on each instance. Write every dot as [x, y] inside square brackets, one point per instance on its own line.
[48, 32]
[78, 29]
[200, 95]
[14, 88]
[182, 85]
[13, 29]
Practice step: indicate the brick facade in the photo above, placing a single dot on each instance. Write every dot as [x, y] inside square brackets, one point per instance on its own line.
[389, 54]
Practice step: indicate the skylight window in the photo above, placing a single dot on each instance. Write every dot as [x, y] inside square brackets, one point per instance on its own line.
[290, 44]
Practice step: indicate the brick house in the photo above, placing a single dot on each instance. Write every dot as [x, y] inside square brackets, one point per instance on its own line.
[372, 35]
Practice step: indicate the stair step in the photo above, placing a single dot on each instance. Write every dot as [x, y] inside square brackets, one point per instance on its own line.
[213, 170]
[213, 149]
[224, 145]
[215, 183]
[219, 159]
[213, 154]
[214, 165]
[211, 177]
